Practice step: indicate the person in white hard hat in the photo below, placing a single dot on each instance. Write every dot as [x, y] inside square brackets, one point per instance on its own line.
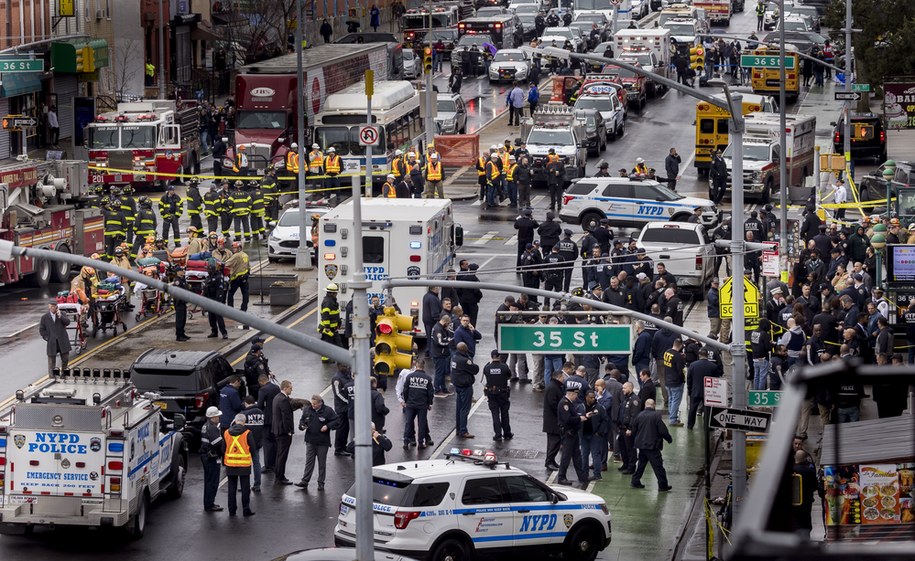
[397, 164]
[315, 161]
[414, 169]
[292, 159]
[434, 178]
[387, 190]
[640, 167]
[212, 448]
[333, 165]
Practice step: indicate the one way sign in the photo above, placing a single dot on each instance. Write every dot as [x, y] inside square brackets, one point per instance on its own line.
[739, 419]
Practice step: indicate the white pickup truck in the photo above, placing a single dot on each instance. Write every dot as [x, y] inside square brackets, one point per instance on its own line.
[686, 251]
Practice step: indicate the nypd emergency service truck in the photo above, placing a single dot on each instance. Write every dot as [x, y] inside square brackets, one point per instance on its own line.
[84, 449]
[401, 238]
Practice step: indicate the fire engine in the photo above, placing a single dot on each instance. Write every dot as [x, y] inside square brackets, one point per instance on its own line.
[41, 206]
[139, 139]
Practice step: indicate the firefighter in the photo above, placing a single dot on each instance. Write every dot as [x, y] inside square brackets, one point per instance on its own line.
[332, 167]
[195, 243]
[315, 161]
[129, 208]
[239, 269]
[225, 210]
[221, 254]
[397, 165]
[194, 202]
[240, 165]
[121, 259]
[212, 206]
[257, 212]
[212, 238]
[170, 208]
[387, 190]
[330, 319]
[240, 202]
[114, 228]
[271, 195]
[434, 178]
[145, 225]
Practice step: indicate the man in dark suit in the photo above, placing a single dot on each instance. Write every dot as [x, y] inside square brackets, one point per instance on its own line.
[283, 429]
[268, 390]
[648, 431]
[53, 329]
[647, 389]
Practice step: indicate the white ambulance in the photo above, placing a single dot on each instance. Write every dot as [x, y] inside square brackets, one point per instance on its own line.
[84, 449]
[401, 238]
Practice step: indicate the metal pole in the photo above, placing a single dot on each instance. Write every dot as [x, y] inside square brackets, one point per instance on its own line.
[738, 346]
[161, 19]
[369, 89]
[430, 120]
[816, 172]
[707, 429]
[302, 256]
[846, 144]
[783, 161]
[365, 539]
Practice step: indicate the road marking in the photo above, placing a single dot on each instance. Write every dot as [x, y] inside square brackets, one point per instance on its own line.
[536, 200]
[512, 240]
[272, 337]
[484, 239]
[488, 255]
[451, 435]
[26, 328]
[477, 202]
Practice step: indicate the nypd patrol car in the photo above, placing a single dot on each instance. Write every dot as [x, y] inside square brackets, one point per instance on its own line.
[450, 509]
[630, 201]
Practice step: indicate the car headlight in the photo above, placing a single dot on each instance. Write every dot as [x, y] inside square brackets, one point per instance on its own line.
[755, 175]
[273, 237]
[449, 123]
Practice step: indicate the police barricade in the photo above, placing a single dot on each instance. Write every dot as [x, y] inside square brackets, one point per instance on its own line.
[458, 150]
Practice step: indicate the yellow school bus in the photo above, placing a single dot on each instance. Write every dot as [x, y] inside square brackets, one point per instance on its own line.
[766, 80]
[712, 124]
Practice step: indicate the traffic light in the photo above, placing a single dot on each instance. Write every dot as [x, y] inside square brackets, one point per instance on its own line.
[697, 57]
[80, 59]
[88, 59]
[427, 59]
[7, 123]
[393, 349]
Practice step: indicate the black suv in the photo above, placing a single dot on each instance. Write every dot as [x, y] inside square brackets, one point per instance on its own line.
[187, 382]
[868, 138]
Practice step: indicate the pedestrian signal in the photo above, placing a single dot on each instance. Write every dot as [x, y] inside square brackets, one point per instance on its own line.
[393, 349]
[697, 58]
[427, 59]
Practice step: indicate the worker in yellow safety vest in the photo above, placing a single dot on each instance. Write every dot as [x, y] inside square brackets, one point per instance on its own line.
[238, 459]
[387, 190]
[292, 159]
[493, 179]
[240, 162]
[397, 164]
[239, 270]
[332, 168]
[511, 182]
[315, 161]
[434, 178]
[481, 175]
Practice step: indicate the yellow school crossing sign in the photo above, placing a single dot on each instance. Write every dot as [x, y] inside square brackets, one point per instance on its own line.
[750, 299]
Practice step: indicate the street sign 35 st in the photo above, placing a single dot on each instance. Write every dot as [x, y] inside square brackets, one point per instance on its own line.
[579, 339]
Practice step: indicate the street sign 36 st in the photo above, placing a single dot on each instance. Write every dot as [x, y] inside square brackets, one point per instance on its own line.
[578, 339]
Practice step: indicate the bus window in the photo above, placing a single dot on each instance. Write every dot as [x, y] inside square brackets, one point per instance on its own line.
[338, 137]
[722, 126]
[706, 126]
[372, 249]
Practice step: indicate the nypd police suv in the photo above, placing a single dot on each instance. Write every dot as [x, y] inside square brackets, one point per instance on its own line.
[630, 201]
[449, 509]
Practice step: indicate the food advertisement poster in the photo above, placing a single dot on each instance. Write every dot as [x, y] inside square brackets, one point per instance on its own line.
[879, 493]
[870, 494]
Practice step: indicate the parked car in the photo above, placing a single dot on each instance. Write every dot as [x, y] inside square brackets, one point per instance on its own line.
[509, 65]
[868, 137]
[451, 117]
[283, 241]
[412, 66]
[595, 130]
[685, 249]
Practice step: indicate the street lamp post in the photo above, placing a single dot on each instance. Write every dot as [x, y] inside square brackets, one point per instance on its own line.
[878, 242]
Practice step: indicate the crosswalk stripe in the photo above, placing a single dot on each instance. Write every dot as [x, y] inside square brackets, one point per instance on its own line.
[477, 202]
[512, 240]
[536, 200]
[484, 239]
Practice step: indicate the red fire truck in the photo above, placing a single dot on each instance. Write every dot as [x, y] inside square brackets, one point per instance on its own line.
[41, 205]
[140, 138]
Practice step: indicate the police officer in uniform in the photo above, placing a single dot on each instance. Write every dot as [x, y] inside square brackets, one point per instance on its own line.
[418, 395]
[568, 249]
[212, 206]
[180, 307]
[330, 319]
[530, 268]
[552, 272]
[753, 224]
[602, 169]
[496, 375]
[212, 448]
[194, 203]
[570, 418]
[215, 289]
[630, 406]
[527, 227]
[170, 209]
[241, 209]
[341, 380]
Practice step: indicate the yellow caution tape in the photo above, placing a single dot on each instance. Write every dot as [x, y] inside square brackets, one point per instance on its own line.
[224, 177]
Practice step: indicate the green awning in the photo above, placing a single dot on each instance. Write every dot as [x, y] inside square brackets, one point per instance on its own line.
[100, 46]
[19, 83]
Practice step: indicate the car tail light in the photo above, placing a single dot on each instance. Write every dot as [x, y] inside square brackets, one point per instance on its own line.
[882, 136]
[698, 262]
[836, 138]
[200, 400]
[402, 518]
[566, 199]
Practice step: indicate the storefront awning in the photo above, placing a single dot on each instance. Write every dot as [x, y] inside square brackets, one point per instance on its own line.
[19, 83]
[78, 57]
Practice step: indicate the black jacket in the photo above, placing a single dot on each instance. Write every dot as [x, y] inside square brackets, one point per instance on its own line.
[526, 227]
[440, 346]
[341, 397]
[379, 446]
[265, 397]
[551, 397]
[646, 392]
[283, 422]
[463, 370]
[379, 409]
[696, 373]
[549, 233]
[254, 420]
[313, 419]
[648, 431]
[629, 410]
[417, 390]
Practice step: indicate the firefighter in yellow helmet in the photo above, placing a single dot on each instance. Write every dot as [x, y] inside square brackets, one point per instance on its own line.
[329, 325]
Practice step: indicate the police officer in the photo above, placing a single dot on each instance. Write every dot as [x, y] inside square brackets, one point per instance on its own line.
[602, 169]
[341, 380]
[241, 211]
[145, 225]
[527, 227]
[114, 228]
[215, 289]
[496, 375]
[255, 366]
[555, 179]
[330, 319]
[530, 268]
[170, 209]
[257, 212]
[754, 225]
[418, 395]
[570, 419]
[212, 448]
[270, 189]
[549, 232]
[317, 421]
[463, 376]
[696, 373]
[180, 307]
[194, 202]
[212, 207]
[440, 350]
[627, 411]
[553, 273]
[568, 249]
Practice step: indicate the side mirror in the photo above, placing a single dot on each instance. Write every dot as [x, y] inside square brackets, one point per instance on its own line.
[833, 123]
[180, 422]
[458, 235]
[555, 498]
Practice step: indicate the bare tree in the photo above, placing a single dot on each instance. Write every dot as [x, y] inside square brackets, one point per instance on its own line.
[259, 29]
[126, 62]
